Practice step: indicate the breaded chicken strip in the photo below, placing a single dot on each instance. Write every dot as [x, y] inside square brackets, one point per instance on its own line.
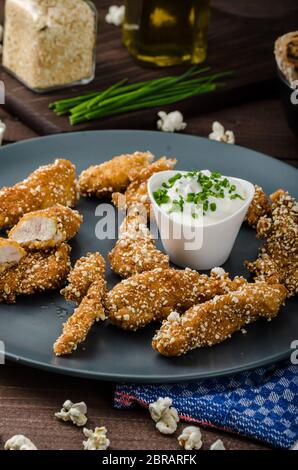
[216, 320]
[135, 250]
[35, 272]
[10, 254]
[87, 270]
[112, 175]
[278, 259]
[76, 328]
[259, 207]
[87, 287]
[136, 193]
[45, 187]
[47, 228]
[153, 295]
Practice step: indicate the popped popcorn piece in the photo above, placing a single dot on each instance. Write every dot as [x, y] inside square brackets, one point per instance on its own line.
[217, 445]
[115, 15]
[191, 438]
[19, 442]
[219, 272]
[2, 126]
[171, 122]
[165, 416]
[74, 412]
[220, 135]
[97, 439]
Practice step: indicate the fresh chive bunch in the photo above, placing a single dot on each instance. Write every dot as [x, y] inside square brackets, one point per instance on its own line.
[122, 97]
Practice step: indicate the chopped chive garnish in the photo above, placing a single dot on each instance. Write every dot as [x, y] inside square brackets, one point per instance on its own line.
[177, 205]
[215, 175]
[211, 186]
[161, 196]
[173, 179]
[205, 206]
[190, 197]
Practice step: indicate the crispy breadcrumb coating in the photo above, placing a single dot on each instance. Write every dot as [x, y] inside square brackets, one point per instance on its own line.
[88, 269]
[136, 193]
[278, 259]
[87, 287]
[153, 295]
[45, 187]
[112, 175]
[259, 207]
[36, 272]
[10, 254]
[76, 328]
[216, 320]
[47, 228]
[135, 250]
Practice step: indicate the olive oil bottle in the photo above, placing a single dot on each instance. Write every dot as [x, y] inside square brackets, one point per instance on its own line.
[166, 32]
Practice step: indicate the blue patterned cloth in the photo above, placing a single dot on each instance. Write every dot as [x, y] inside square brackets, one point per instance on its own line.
[262, 404]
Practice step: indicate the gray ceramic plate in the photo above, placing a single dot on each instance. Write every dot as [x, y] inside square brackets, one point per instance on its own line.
[30, 327]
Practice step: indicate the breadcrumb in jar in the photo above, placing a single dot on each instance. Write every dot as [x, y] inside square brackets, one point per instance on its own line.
[50, 43]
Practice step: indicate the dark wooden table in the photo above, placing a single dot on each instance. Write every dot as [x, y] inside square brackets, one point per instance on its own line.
[29, 398]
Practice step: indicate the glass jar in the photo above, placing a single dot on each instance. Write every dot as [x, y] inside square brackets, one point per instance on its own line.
[50, 44]
[166, 32]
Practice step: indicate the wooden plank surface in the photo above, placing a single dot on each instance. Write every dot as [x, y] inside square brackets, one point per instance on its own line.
[237, 42]
[15, 129]
[29, 399]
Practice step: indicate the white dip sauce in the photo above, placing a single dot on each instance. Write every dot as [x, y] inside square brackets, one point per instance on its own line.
[198, 197]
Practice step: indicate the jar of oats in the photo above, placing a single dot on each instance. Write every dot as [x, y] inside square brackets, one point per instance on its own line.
[50, 44]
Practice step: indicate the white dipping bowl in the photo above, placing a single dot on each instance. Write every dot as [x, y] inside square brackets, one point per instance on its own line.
[211, 244]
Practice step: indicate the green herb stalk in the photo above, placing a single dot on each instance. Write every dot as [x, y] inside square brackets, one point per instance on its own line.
[122, 97]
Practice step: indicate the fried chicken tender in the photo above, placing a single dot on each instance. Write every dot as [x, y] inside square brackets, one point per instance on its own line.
[153, 295]
[87, 287]
[88, 269]
[10, 254]
[45, 187]
[278, 258]
[112, 176]
[136, 193]
[36, 272]
[135, 250]
[47, 228]
[76, 328]
[216, 320]
[259, 207]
